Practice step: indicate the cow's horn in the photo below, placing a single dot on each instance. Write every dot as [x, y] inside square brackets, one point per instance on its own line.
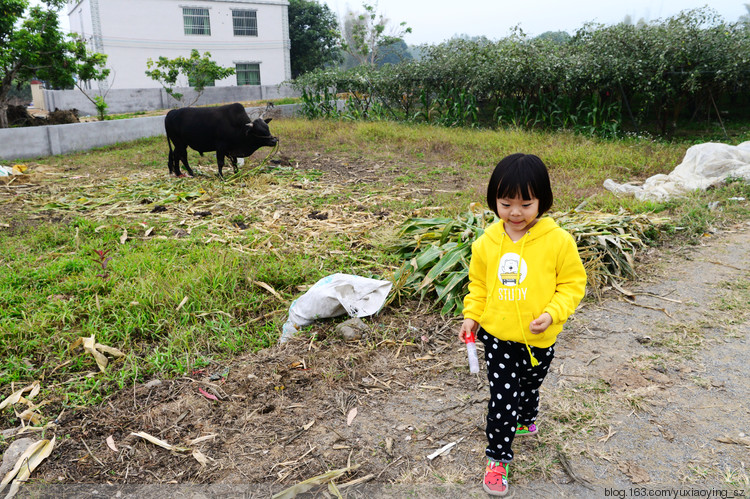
[249, 125]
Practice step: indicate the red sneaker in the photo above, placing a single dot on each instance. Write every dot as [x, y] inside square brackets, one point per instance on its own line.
[496, 478]
[522, 430]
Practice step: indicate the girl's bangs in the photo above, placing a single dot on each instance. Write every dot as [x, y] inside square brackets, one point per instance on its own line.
[512, 190]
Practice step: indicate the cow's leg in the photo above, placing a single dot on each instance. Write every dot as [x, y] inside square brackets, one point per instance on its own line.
[187, 166]
[180, 154]
[174, 167]
[185, 162]
[233, 160]
[220, 162]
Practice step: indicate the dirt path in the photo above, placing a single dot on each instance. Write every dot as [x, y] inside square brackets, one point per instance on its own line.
[650, 392]
[681, 367]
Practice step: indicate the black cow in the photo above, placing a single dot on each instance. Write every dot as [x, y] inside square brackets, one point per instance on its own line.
[224, 129]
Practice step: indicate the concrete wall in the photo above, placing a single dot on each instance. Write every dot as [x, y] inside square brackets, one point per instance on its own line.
[150, 99]
[39, 141]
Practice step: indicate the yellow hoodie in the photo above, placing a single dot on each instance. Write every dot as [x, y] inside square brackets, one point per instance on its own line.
[552, 280]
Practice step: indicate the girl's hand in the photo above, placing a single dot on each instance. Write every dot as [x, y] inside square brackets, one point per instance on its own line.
[541, 323]
[467, 326]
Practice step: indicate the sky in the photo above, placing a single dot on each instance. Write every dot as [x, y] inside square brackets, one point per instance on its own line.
[433, 21]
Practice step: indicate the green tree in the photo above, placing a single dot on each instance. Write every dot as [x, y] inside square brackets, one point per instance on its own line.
[195, 71]
[394, 53]
[745, 18]
[32, 45]
[558, 37]
[314, 35]
[365, 34]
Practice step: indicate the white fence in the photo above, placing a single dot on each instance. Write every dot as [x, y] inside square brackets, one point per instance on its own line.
[150, 99]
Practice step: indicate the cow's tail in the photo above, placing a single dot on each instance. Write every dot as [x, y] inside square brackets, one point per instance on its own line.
[170, 159]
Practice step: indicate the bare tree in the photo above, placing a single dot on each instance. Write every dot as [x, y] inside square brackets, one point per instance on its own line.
[365, 33]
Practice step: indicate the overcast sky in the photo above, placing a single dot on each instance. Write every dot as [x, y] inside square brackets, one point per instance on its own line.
[433, 21]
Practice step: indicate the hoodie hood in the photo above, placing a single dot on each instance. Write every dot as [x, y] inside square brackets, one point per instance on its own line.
[545, 225]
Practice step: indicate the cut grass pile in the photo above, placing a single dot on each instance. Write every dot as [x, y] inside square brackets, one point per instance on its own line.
[438, 251]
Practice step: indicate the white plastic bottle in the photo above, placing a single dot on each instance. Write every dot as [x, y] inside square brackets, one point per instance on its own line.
[471, 350]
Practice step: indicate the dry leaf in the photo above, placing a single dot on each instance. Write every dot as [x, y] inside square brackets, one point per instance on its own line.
[90, 346]
[161, 443]
[389, 446]
[202, 439]
[26, 463]
[334, 490]
[111, 443]
[350, 417]
[306, 485]
[31, 416]
[198, 455]
[269, 288]
[628, 294]
[124, 236]
[182, 303]
[731, 440]
[110, 350]
[636, 473]
[15, 397]
[35, 387]
[148, 232]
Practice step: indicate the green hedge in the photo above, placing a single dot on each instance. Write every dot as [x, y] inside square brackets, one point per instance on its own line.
[692, 66]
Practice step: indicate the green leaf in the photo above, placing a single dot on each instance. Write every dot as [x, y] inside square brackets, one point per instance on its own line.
[447, 262]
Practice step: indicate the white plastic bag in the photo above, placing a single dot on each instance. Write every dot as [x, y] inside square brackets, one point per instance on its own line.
[704, 165]
[336, 295]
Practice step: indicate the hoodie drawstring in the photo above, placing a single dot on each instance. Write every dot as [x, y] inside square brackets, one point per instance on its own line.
[534, 362]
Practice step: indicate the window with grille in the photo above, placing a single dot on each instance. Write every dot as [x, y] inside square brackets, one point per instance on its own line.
[196, 21]
[245, 22]
[248, 74]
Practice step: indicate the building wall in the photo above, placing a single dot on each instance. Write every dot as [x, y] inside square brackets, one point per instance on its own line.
[132, 31]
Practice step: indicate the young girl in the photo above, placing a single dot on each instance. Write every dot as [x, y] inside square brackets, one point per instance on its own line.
[526, 279]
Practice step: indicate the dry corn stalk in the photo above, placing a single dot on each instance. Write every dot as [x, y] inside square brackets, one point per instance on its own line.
[438, 250]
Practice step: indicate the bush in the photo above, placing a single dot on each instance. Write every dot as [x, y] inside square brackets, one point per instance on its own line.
[601, 81]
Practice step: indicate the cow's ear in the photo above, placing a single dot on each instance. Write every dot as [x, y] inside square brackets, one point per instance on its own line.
[268, 120]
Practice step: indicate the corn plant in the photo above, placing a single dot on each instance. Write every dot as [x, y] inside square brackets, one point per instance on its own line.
[437, 251]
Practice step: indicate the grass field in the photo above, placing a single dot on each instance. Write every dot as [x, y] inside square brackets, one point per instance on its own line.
[182, 273]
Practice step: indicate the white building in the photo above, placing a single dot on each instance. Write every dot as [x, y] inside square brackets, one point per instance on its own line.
[251, 36]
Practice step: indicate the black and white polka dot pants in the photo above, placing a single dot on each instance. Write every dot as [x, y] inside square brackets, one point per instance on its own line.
[514, 390]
